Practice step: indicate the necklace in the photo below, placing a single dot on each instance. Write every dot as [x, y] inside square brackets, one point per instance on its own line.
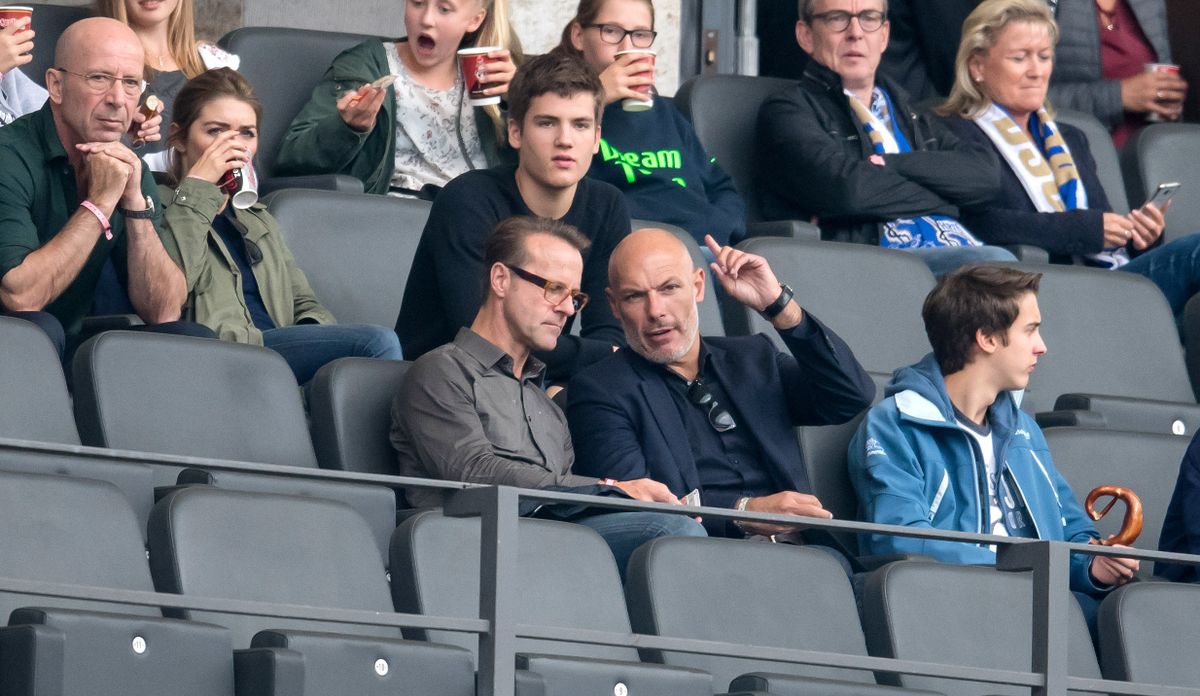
[1107, 18]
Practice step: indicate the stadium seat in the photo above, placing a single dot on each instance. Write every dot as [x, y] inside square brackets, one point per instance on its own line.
[74, 531]
[1161, 153]
[350, 400]
[724, 111]
[869, 296]
[203, 398]
[739, 592]
[1145, 464]
[710, 309]
[1113, 357]
[298, 551]
[284, 65]
[972, 616]
[49, 22]
[36, 405]
[1148, 633]
[355, 249]
[568, 579]
[824, 449]
[1108, 163]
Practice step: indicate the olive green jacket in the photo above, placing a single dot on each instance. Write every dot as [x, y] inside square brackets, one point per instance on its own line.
[214, 282]
[320, 142]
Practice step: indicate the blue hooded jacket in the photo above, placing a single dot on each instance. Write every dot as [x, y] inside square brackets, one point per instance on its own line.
[912, 464]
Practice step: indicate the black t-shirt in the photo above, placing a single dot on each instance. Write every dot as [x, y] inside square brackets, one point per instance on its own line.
[445, 285]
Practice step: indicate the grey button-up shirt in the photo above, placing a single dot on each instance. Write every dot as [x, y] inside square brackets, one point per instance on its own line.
[462, 415]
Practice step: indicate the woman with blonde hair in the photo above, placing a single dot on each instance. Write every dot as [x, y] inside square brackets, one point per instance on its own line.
[1050, 195]
[420, 130]
[173, 55]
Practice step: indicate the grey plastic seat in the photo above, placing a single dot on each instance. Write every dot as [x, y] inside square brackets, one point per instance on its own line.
[568, 579]
[869, 296]
[82, 532]
[1160, 153]
[284, 65]
[971, 616]
[824, 448]
[301, 551]
[49, 22]
[36, 404]
[1112, 341]
[774, 595]
[709, 310]
[1108, 162]
[356, 249]
[1148, 633]
[350, 400]
[1145, 464]
[723, 110]
[204, 398]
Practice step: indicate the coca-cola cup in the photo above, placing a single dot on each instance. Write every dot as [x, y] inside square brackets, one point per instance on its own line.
[241, 185]
[15, 14]
[1160, 68]
[472, 61]
[646, 57]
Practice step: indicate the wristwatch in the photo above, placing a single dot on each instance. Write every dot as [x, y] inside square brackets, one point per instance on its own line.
[147, 214]
[772, 310]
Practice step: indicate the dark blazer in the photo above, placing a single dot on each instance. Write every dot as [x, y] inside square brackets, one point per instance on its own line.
[625, 425]
[923, 43]
[815, 154]
[1013, 218]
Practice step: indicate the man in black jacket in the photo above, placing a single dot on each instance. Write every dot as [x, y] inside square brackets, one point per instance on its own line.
[844, 147]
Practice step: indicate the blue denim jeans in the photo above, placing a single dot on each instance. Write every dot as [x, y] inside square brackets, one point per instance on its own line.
[1174, 268]
[626, 531]
[942, 260]
[306, 347]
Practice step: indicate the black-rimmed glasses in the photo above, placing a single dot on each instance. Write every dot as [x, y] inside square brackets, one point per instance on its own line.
[615, 34]
[99, 82]
[838, 21]
[719, 417]
[554, 291]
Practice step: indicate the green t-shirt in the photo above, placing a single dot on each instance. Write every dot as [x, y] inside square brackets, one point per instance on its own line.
[38, 196]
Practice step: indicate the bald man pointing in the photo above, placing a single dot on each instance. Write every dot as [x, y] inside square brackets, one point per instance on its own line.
[710, 414]
[79, 217]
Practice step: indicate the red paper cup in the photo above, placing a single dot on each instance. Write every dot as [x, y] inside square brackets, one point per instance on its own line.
[241, 185]
[647, 57]
[471, 62]
[1163, 68]
[15, 14]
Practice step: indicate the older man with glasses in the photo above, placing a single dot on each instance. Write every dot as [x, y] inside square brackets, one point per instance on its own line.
[714, 415]
[474, 409]
[79, 219]
[844, 147]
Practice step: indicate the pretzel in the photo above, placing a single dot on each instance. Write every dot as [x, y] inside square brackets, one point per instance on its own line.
[1131, 526]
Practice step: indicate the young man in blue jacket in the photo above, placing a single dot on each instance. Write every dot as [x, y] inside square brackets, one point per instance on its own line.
[950, 448]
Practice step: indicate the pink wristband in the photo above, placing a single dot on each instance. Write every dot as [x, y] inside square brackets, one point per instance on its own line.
[608, 482]
[104, 224]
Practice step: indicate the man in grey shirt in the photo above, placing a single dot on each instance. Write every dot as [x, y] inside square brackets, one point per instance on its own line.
[474, 409]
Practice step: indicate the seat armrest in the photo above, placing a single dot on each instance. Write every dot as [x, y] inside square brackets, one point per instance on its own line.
[109, 322]
[322, 182]
[796, 229]
[302, 663]
[1136, 415]
[1071, 419]
[569, 676]
[1027, 253]
[792, 685]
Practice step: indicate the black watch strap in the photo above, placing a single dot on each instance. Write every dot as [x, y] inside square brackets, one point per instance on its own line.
[772, 310]
[147, 214]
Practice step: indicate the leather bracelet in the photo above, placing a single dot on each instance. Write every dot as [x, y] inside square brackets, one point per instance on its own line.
[95, 210]
[772, 310]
